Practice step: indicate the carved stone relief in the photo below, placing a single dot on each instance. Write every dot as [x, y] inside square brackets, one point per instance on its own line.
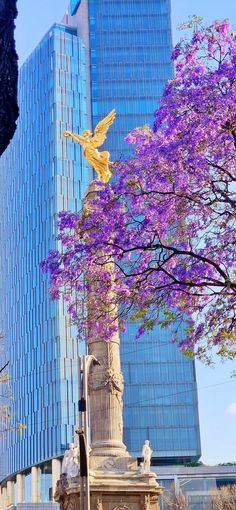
[108, 375]
[71, 502]
[146, 502]
[99, 504]
[61, 486]
[121, 507]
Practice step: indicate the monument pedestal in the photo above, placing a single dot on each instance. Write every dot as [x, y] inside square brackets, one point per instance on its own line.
[111, 490]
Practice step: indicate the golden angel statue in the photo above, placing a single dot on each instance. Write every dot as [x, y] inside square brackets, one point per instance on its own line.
[98, 159]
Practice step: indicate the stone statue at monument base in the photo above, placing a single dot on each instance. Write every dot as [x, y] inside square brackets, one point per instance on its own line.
[70, 463]
[146, 455]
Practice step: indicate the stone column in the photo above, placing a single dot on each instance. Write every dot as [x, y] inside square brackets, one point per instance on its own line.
[1, 500]
[10, 493]
[4, 497]
[56, 471]
[20, 483]
[35, 484]
[106, 390]
[106, 380]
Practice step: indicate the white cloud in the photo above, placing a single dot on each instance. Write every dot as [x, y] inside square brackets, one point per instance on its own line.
[232, 408]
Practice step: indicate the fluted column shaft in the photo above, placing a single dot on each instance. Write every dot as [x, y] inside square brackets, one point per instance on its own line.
[106, 380]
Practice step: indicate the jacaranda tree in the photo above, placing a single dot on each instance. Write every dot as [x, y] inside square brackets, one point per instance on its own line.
[168, 218]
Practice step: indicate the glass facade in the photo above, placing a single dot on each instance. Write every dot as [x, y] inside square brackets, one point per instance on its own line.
[160, 398]
[130, 46]
[123, 63]
[198, 484]
[46, 482]
[74, 4]
[41, 173]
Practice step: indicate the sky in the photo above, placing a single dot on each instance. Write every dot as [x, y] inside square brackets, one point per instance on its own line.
[216, 388]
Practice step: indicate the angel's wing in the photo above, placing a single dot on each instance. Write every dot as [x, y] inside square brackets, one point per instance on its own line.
[75, 136]
[101, 129]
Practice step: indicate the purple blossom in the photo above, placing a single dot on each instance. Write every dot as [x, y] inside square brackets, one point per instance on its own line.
[176, 52]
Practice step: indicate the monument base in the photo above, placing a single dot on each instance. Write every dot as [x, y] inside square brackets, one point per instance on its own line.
[111, 490]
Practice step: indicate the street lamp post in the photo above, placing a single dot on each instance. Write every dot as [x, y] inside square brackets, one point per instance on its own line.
[83, 431]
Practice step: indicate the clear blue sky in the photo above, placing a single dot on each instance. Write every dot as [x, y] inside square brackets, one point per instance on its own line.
[217, 391]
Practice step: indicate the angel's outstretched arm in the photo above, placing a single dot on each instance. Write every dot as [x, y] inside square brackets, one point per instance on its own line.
[75, 136]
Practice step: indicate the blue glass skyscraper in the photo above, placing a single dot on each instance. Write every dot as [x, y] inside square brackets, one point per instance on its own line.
[104, 55]
[40, 175]
[128, 50]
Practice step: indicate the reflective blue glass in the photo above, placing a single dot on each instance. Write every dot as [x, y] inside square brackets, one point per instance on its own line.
[160, 398]
[46, 482]
[130, 43]
[41, 174]
[74, 4]
[28, 487]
